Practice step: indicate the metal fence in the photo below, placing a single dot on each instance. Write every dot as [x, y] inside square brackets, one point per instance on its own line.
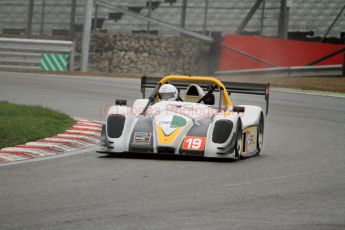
[36, 54]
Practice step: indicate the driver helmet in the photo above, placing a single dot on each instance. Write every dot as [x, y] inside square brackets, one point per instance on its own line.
[168, 92]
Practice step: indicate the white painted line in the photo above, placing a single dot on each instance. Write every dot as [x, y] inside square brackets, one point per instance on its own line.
[64, 140]
[77, 152]
[12, 157]
[84, 132]
[309, 92]
[97, 128]
[92, 136]
[59, 147]
[90, 123]
[100, 122]
[97, 123]
[72, 142]
[73, 139]
[40, 148]
[86, 138]
[32, 151]
[87, 127]
[19, 150]
[81, 119]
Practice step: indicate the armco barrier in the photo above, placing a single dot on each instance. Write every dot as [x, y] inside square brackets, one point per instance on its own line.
[27, 54]
[295, 71]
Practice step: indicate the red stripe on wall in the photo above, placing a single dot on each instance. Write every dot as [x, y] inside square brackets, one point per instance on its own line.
[280, 52]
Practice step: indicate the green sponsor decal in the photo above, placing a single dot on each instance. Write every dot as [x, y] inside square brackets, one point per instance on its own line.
[178, 121]
[54, 62]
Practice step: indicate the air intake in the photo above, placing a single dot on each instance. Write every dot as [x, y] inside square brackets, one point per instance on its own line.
[115, 124]
[222, 130]
[166, 150]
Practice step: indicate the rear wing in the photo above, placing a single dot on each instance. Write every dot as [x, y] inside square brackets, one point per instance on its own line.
[231, 87]
[249, 88]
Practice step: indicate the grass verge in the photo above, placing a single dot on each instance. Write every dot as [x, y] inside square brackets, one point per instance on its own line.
[23, 123]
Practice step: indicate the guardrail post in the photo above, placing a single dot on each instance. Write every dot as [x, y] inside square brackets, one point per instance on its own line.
[204, 26]
[43, 9]
[86, 35]
[72, 19]
[183, 13]
[214, 52]
[262, 17]
[283, 20]
[29, 22]
[95, 18]
[71, 58]
[149, 12]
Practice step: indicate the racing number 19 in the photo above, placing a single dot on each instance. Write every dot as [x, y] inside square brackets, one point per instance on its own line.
[194, 143]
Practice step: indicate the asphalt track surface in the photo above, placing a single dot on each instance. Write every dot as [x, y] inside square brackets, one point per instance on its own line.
[297, 183]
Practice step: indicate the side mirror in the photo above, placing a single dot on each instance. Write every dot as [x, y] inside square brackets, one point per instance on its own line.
[238, 109]
[120, 102]
[209, 99]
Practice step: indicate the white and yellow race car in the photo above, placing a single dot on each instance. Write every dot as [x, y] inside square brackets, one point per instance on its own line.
[201, 121]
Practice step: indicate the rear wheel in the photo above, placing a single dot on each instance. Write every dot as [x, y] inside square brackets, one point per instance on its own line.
[239, 140]
[260, 135]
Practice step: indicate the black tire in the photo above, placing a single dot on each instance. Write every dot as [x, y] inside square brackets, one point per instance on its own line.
[260, 135]
[239, 140]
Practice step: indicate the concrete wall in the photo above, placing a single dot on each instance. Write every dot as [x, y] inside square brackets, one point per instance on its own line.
[145, 54]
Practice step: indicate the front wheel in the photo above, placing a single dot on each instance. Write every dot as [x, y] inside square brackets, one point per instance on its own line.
[239, 140]
[260, 135]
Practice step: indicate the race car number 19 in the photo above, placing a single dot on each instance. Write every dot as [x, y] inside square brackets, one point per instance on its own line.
[194, 143]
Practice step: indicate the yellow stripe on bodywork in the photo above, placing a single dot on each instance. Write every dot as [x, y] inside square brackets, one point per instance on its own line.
[166, 140]
[249, 128]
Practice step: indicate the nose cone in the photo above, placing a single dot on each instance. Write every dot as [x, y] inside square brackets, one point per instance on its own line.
[171, 128]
